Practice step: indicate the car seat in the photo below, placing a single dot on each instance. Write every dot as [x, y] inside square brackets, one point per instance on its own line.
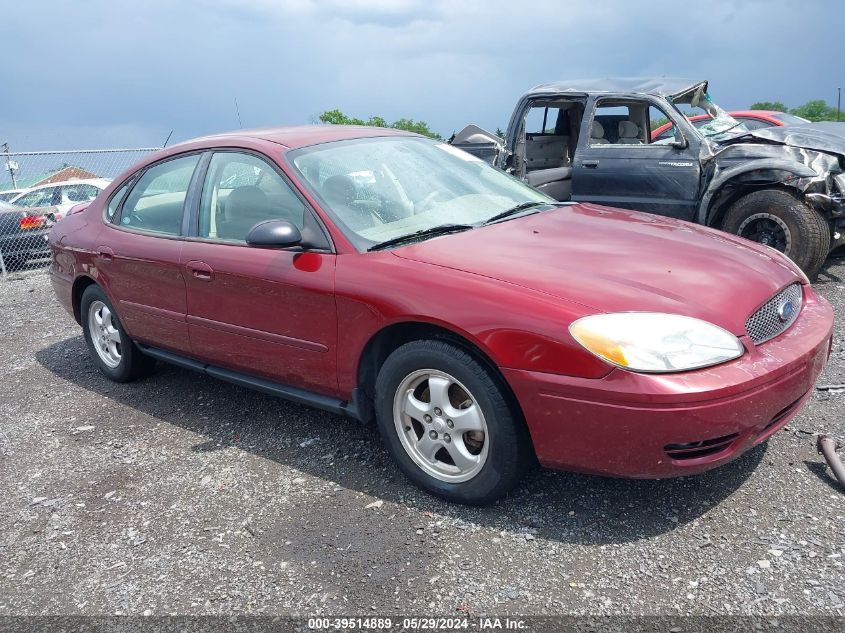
[245, 207]
[629, 133]
[597, 134]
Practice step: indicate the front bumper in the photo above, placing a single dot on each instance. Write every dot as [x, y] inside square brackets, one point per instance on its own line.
[632, 425]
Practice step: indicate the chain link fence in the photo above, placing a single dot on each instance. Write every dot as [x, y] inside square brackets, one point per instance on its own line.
[37, 189]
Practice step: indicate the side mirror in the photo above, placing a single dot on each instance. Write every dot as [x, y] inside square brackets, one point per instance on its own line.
[680, 141]
[274, 234]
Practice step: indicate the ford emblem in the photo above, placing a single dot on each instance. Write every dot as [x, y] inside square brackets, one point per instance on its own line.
[786, 311]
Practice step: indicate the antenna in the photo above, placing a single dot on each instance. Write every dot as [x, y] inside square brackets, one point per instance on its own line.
[238, 112]
[167, 139]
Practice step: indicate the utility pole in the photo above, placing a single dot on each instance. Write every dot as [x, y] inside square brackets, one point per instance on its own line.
[10, 165]
[838, 101]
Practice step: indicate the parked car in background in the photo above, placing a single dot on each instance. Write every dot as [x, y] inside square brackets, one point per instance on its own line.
[751, 120]
[6, 196]
[23, 234]
[478, 322]
[61, 195]
[590, 141]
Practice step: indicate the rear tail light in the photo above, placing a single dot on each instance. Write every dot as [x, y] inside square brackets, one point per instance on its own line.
[29, 222]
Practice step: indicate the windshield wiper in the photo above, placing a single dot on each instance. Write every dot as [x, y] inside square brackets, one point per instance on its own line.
[442, 229]
[514, 210]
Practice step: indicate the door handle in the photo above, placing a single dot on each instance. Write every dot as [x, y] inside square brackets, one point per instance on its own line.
[592, 164]
[200, 270]
[105, 253]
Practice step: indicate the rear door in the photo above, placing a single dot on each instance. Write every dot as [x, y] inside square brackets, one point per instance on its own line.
[139, 253]
[262, 311]
[618, 164]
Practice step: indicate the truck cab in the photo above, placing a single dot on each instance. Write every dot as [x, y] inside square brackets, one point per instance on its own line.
[592, 141]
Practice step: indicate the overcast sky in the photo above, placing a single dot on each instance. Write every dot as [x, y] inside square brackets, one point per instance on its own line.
[119, 73]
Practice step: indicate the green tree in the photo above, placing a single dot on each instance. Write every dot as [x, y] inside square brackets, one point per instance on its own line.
[337, 117]
[816, 110]
[769, 105]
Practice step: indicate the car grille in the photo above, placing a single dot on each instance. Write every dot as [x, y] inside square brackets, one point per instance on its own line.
[772, 317]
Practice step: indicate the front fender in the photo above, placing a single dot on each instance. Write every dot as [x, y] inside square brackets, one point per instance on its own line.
[722, 177]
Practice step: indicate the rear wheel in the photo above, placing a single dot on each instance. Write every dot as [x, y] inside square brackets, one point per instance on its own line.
[113, 351]
[777, 219]
[448, 424]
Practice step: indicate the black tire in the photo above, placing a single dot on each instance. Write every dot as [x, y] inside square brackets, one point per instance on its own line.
[508, 452]
[133, 363]
[806, 231]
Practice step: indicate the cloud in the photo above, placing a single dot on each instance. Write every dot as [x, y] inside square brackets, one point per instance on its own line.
[145, 68]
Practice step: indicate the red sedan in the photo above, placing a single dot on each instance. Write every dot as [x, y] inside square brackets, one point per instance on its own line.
[480, 324]
[752, 119]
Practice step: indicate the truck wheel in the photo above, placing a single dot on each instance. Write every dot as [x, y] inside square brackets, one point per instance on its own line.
[777, 219]
[447, 422]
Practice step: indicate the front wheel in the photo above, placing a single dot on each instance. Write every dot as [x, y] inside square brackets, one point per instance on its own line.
[113, 351]
[448, 424]
[777, 219]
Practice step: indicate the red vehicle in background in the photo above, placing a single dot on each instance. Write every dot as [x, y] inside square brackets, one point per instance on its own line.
[753, 120]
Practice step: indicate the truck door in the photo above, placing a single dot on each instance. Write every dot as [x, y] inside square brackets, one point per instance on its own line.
[617, 164]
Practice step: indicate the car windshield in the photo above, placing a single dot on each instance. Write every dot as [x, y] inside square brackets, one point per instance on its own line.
[384, 188]
[720, 125]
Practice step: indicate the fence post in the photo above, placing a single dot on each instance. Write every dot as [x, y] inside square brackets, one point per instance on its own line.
[2, 264]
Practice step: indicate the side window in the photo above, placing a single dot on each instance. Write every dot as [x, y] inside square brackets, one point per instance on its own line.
[658, 118]
[156, 202]
[116, 198]
[606, 120]
[629, 122]
[37, 198]
[79, 193]
[541, 120]
[240, 191]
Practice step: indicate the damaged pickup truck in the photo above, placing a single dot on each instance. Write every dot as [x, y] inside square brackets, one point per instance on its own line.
[590, 141]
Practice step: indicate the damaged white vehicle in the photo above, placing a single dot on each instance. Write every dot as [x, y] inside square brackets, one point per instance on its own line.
[590, 141]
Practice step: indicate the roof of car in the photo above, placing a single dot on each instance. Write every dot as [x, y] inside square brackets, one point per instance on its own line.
[756, 113]
[664, 86]
[302, 135]
[103, 182]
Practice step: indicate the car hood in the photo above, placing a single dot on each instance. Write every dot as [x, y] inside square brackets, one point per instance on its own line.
[610, 260]
[827, 136]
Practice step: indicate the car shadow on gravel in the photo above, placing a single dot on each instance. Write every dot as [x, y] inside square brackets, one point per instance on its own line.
[562, 506]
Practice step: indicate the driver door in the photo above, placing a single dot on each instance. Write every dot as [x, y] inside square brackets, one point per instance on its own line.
[617, 163]
[266, 312]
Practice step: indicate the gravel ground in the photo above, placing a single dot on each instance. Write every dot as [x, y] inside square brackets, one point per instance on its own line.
[180, 494]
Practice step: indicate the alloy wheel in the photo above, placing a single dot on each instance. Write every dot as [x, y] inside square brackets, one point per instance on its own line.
[767, 229]
[104, 334]
[441, 425]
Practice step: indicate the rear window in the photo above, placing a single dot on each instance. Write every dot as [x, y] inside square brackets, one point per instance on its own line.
[155, 203]
[789, 119]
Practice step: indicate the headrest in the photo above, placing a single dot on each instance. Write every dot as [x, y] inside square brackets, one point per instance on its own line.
[628, 129]
[246, 201]
[339, 190]
[597, 130]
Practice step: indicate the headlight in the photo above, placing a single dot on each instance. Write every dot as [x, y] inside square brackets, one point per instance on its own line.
[655, 342]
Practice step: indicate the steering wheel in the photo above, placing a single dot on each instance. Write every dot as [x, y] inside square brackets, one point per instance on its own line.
[426, 202]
